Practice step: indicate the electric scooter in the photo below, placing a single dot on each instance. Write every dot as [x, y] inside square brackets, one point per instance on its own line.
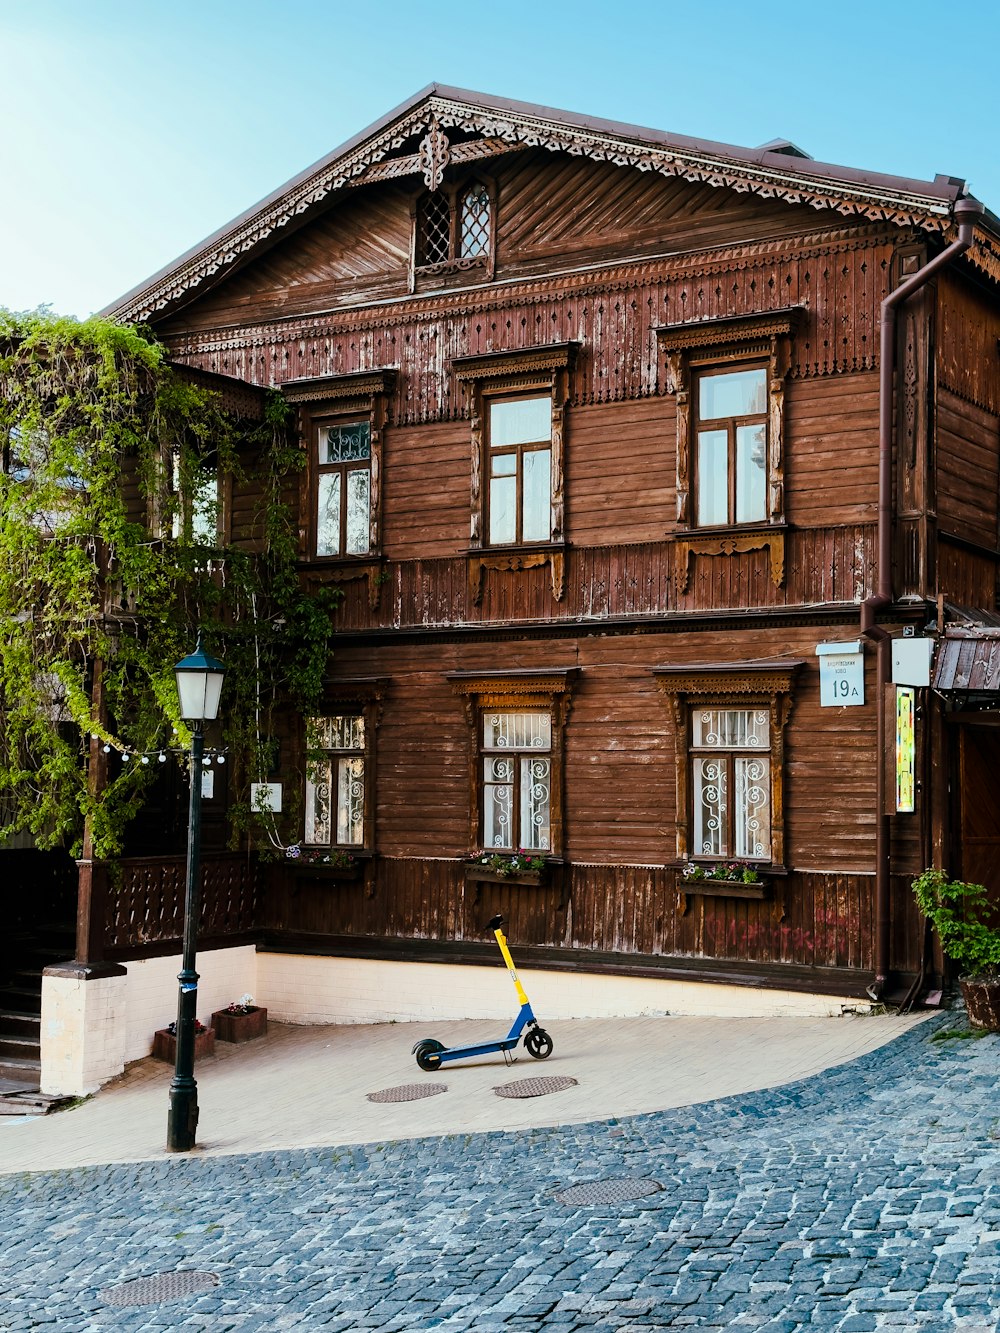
[432, 1054]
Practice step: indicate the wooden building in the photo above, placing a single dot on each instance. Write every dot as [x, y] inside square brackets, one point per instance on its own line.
[592, 424]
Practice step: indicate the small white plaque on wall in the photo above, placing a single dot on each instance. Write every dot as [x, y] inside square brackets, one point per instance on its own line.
[266, 796]
[841, 674]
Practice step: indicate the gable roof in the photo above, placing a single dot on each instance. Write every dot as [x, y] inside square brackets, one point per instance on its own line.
[497, 126]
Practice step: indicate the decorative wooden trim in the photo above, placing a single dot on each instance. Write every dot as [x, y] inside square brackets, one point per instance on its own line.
[481, 691]
[758, 328]
[728, 543]
[686, 347]
[504, 559]
[322, 571]
[362, 386]
[770, 176]
[522, 361]
[768, 684]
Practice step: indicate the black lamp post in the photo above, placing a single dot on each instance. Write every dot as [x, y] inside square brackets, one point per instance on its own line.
[199, 688]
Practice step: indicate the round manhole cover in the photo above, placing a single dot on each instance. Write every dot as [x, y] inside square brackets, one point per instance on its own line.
[408, 1092]
[160, 1287]
[607, 1191]
[535, 1087]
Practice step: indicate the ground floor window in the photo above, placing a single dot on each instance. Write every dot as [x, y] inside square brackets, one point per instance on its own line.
[335, 781]
[731, 782]
[729, 723]
[517, 781]
[517, 724]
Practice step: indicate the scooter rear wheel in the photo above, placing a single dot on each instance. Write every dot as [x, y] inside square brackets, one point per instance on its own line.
[428, 1054]
[538, 1044]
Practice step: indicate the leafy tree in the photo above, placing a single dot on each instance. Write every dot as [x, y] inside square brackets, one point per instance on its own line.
[106, 446]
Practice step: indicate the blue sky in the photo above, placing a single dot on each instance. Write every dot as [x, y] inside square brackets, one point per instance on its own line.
[132, 130]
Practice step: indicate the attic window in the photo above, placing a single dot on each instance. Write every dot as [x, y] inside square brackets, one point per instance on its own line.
[453, 229]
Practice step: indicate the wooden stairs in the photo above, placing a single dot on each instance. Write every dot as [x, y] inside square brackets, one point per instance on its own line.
[21, 1002]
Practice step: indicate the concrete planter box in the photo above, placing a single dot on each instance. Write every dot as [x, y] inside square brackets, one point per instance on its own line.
[239, 1027]
[165, 1045]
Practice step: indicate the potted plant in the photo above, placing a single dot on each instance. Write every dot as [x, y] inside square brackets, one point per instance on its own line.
[240, 1021]
[520, 867]
[165, 1042]
[958, 911]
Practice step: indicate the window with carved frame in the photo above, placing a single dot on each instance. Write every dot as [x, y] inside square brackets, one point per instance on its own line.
[339, 788]
[727, 378]
[517, 725]
[729, 723]
[517, 404]
[341, 420]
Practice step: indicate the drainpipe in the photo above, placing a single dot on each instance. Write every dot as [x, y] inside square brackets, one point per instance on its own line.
[966, 212]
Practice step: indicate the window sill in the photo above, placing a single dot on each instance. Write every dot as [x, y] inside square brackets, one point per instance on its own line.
[534, 556]
[689, 542]
[768, 888]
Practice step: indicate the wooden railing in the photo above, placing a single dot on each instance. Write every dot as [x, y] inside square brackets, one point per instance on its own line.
[145, 902]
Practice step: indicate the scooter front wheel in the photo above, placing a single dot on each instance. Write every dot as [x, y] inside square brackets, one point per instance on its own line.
[428, 1054]
[538, 1044]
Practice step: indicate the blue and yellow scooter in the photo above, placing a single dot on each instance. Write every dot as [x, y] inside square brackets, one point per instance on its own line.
[432, 1054]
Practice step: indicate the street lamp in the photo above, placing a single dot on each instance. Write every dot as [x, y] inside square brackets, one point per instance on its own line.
[199, 687]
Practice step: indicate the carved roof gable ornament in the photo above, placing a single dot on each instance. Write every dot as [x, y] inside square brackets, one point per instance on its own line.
[435, 154]
[500, 126]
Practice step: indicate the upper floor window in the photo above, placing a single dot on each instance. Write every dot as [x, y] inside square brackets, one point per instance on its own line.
[194, 503]
[731, 460]
[727, 378]
[520, 470]
[454, 227]
[341, 420]
[343, 488]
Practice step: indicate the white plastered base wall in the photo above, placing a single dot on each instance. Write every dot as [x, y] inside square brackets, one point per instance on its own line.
[92, 1028]
[302, 989]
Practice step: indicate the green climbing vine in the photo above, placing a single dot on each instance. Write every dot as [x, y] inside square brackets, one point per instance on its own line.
[110, 563]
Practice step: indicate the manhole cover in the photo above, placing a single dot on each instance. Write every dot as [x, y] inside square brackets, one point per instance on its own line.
[607, 1191]
[160, 1287]
[408, 1092]
[535, 1087]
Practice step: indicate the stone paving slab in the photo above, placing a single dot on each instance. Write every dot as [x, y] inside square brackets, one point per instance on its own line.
[860, 1199]
[308, 1086]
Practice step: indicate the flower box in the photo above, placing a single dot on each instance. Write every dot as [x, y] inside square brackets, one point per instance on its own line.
[165, 1045]
[317, 870]
[477, 874]
[239, 1027]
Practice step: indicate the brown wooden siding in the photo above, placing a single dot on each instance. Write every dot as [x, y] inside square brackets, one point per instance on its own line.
[967, 478]
[815, 921]
[612, 314]
[831, 449]
[822, 565]
[968, 330]
[620, 753]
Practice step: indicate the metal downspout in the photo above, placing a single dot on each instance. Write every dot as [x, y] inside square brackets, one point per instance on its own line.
[966, 212]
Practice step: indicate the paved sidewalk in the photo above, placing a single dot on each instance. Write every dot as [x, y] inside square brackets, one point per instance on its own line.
[864, 1199]
[307, 1086]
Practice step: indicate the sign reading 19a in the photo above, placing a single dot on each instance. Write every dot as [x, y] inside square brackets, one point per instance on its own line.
[841, 674]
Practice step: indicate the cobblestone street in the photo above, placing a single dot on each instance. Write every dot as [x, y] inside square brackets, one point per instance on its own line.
[864, 1198]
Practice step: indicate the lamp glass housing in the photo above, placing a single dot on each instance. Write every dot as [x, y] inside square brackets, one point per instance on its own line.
[199, 686]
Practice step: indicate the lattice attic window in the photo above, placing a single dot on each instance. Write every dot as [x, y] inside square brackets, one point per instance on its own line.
[433, 229]
[475, 222]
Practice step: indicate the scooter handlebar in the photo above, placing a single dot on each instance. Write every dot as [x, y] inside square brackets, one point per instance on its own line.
[496, 923]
